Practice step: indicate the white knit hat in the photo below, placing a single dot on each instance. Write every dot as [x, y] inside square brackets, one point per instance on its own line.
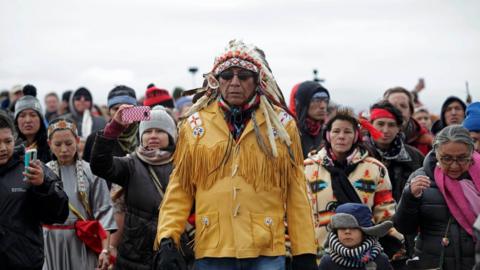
[159, 118]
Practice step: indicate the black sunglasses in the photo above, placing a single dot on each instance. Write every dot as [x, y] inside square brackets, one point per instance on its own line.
[242, 75]
[77, 98]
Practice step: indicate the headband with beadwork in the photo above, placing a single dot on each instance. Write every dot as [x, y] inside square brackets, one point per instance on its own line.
[61, 125]
[235, 59]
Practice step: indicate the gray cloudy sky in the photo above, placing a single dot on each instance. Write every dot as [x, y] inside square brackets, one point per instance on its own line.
[360, 47]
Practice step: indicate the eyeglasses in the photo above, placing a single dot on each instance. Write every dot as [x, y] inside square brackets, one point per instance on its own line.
[242, 75]
[448, 160]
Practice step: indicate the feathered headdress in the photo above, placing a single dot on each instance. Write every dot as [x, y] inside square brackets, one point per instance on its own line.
[239, 54]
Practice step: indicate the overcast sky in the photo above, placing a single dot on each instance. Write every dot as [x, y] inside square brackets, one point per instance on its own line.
[360, 47]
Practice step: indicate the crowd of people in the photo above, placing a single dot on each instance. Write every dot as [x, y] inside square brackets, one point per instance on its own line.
[231, 176]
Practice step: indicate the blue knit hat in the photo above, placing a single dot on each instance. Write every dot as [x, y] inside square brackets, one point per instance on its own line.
[121, 94]
[183, 101]
[472, 118]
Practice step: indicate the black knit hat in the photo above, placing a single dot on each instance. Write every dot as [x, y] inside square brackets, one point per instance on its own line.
[121, 94]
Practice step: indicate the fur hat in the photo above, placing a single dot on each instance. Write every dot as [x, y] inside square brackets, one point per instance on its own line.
[356, 215]
[472, 118]
[159, 118]
[28, 102]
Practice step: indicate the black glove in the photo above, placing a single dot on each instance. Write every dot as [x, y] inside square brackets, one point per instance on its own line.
[168, 257]
[391, 245]
[305, 262]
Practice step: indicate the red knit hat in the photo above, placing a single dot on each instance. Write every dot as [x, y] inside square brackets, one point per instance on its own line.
[157, 96]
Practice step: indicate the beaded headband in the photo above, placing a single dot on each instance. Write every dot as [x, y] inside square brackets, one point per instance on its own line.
[61, 125]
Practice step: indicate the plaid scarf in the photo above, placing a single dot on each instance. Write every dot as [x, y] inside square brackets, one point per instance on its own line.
[237, 117]
[353, 257]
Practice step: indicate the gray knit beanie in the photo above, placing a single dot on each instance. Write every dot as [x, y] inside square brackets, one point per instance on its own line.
[159, 118]
[28, 102]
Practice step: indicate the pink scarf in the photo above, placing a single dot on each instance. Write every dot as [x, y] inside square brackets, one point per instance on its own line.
[455, 197]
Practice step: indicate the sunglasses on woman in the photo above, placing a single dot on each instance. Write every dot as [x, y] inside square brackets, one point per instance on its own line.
[242, 75]
[86, 98]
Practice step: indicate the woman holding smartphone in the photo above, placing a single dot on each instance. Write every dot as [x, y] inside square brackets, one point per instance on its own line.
[144, 175]
[29, 197]
[31, 127]
[89, 201]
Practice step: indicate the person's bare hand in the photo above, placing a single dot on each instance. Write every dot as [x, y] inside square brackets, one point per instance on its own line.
[103, 261]
[419, 184]
[118, 115]
[34, 173]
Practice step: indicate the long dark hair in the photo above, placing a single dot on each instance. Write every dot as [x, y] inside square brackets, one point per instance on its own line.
[44, 152]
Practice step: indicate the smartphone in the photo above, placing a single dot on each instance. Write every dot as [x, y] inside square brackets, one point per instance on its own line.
[30, 156]
[136, 114]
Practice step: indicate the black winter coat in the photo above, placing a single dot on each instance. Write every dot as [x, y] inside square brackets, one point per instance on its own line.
[23, 208]
[117, 150]
[399, 170]
[327, 264]
[309, 142]
[141, 198]
[429, 215]
[303, 97]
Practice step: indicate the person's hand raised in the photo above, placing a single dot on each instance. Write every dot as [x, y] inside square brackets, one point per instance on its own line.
[419, 184]
[118, 115]
[34, 173]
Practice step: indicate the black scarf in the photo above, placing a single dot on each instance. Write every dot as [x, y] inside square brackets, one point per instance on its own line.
[342, 188]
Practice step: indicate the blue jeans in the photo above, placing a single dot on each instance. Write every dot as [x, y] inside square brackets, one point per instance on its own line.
[260, 263]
